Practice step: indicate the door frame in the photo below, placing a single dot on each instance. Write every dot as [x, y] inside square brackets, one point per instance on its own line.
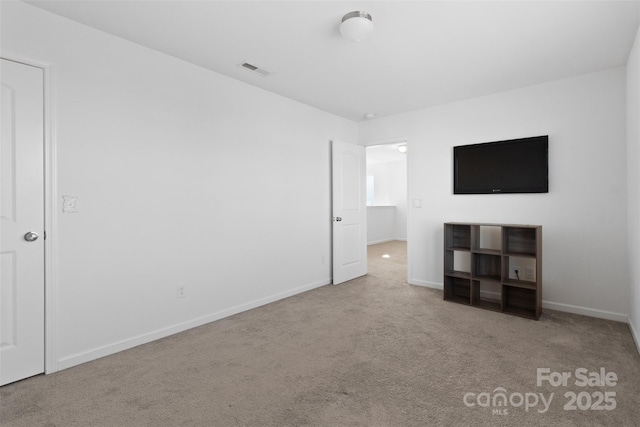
[50, 198]
[401, 140]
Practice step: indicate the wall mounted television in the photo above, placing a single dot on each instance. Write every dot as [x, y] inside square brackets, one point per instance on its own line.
[511, 166]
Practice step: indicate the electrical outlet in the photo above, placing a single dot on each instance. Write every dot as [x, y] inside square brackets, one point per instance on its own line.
[182, 290]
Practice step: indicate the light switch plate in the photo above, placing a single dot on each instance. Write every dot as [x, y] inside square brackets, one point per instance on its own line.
[69, 204]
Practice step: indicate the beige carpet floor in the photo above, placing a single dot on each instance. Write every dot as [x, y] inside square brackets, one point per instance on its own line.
[371, 352]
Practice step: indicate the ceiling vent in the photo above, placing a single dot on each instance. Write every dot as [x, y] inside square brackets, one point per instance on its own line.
[255, 68]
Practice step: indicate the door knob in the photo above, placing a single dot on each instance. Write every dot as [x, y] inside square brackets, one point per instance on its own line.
[338, 219]
[31, 236]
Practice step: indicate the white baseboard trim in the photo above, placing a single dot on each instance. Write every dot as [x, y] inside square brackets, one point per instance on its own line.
[96, 353]
[393, 239]
[425, 284]
[585, 311]
[375, 242]
[567, 308]
[634, 333]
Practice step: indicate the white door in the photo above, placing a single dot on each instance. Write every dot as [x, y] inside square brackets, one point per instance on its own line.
[349, 211]
[21, 213]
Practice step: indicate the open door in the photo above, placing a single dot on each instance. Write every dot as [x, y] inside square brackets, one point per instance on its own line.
[349, 196]
[22, 221]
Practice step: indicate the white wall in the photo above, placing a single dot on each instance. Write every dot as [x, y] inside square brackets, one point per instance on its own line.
[585, 263]
[183, 176]
[382, 183]
[380, 224]
[398, 175]
[633, 179]
[390, 189]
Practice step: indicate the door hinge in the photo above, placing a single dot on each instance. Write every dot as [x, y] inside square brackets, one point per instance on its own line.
[45, 235]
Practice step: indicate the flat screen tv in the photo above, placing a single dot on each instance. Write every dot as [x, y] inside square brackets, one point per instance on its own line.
[512, 166]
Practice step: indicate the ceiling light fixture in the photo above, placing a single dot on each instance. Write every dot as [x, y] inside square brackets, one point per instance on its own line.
[356, 26]
[402, 148]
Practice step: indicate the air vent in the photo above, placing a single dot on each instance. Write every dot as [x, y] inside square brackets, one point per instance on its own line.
[255, 68]
[249, 66]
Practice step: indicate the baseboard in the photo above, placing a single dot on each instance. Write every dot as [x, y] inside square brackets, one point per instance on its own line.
[585, 311]
[393, 239]
[425, 284]
[634, 334]
[567, 308]
[375, 242]
[87, 356]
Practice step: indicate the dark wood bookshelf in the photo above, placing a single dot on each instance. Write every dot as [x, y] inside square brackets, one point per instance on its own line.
[489, 283]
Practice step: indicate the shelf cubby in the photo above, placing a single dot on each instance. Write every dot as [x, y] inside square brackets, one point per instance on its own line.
[456, 263]
[458, 237]
[520, 301]
[486, 266]
[482, 296]
[520, 241]
[486, 238]
[457, 290]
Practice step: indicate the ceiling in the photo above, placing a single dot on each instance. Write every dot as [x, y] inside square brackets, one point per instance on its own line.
[421, 53]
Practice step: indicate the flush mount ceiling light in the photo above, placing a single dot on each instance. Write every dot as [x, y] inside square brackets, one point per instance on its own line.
[356, 26]
[402, 148]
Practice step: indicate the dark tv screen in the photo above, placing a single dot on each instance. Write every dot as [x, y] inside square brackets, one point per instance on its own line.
[512, 166]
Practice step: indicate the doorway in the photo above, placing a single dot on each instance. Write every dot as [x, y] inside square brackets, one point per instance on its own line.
[387, 198]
